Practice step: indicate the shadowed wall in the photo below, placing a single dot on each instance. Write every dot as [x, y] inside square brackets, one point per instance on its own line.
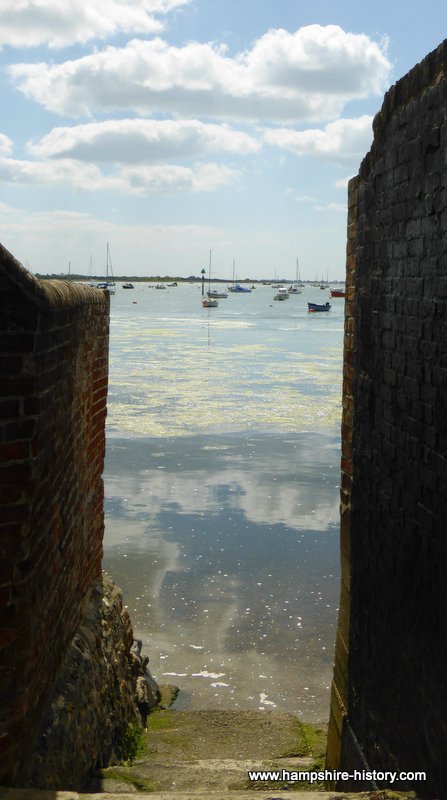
[389, 703]
[53, 392]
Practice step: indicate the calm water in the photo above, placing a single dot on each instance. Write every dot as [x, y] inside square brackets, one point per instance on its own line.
[221, 479]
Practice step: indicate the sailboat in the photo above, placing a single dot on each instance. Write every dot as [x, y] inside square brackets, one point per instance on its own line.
[214, 294]
[295, 288]
[236, 287]
[109, 284]
[323, 284]
[209, 302]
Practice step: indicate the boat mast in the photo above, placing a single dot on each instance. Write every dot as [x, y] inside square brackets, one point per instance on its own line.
[109, 264]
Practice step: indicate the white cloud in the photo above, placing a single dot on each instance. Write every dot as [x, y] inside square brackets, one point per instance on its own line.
[139, 140]
[203, 177]
[5, 145]
[140, 151]
[307, 75]
[39, 172]
[305, 198]
[209, 177]
[342, 183]
[48, 239]
[318, 59]
[345, 140]
[29, 23]
[340, 208]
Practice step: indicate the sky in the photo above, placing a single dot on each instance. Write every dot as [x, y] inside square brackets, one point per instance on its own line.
[175, 128]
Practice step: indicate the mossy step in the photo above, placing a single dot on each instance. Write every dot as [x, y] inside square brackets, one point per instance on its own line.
[212, 751]
[207, 754]
[47, 794]
[257, 795]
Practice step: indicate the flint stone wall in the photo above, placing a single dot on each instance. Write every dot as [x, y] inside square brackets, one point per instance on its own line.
[95, 697]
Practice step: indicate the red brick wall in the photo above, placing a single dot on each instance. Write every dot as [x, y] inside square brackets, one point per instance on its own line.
[53, 393]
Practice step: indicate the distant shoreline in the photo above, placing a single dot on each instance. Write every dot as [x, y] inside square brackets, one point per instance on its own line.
[143, 279]
[171, 278]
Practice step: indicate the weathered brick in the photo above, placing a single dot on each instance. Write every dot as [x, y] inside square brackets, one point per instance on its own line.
[16, 385]
[53, 368]
[9, 408]
[12, 475]
[394, 486]
[19, 429]
[11, 365]
[14, 451]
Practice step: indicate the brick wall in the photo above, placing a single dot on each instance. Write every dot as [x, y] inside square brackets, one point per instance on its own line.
[53, 389]
[389, 704]
[339, 688]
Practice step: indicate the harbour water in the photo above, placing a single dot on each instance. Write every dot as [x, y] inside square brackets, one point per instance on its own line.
[221, 481]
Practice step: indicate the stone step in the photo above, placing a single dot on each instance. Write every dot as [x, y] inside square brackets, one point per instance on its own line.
[213, 751]
[206, 755]
[228, 795]
[44, 794]
[200, 775]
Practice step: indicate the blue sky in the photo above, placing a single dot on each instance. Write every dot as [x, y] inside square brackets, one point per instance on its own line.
[171, 127]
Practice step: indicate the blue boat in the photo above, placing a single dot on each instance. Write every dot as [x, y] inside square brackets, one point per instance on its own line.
[311, 307]
[238, 288]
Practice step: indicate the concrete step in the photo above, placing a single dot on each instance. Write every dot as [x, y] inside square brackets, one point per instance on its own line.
[39, 794]
[213, 751]
[206, 755]
[226, 795]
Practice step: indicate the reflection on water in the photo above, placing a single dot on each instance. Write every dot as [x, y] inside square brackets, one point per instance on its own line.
[221, 493]
[227, 552]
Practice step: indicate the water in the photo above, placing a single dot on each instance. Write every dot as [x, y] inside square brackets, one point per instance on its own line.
[222, 475]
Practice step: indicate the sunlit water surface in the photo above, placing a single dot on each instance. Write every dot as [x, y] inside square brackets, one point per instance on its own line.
[221, 480]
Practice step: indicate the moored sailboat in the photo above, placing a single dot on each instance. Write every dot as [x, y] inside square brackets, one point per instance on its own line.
[109, 284]
[236, 287]
[209, 301]
[295, 288]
